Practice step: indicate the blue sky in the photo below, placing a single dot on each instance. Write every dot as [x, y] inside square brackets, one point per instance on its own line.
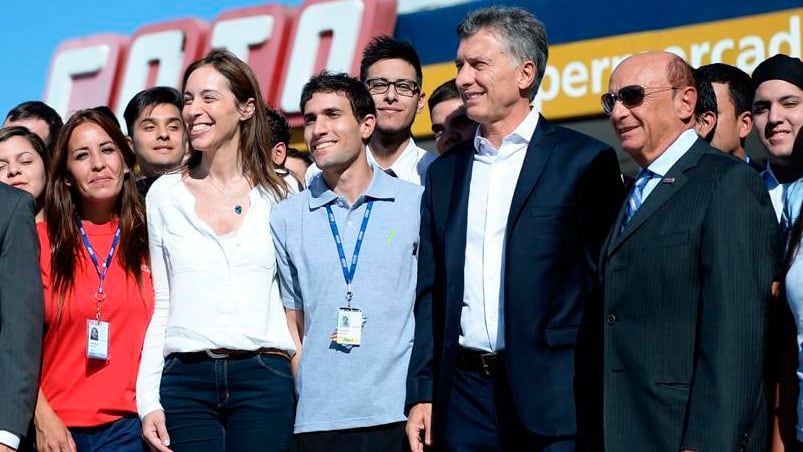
[31, 36]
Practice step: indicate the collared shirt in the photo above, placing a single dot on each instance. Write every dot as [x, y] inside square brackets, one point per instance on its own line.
[9, 439]
[775, 190]
[786, 198]
[212, 291]
[410, 166]
[661, 165]
[493, 180]
[339, 387]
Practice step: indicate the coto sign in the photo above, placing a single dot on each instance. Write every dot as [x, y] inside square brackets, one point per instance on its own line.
[284, 46]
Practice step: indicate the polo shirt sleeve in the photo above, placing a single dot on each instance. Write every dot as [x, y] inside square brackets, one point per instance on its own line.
[288, 275]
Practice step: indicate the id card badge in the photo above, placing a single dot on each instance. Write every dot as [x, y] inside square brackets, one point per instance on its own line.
[97, 339]
[349, 326]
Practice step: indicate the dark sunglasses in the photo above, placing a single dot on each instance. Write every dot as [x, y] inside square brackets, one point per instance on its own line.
[630, 96]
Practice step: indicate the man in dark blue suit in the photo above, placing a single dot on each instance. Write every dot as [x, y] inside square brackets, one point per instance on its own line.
[512, 225]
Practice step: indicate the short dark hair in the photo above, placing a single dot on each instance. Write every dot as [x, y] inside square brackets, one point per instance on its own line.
[38, 110]
[387, 48]
[362, 104]
[739, 84]
[149, 98]
[446, 91]
[279, 128]
[706, 98]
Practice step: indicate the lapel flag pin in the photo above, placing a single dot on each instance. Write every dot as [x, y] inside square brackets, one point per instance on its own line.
[668, 180]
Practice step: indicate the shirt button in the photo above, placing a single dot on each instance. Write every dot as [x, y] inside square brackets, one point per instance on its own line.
[611, 319]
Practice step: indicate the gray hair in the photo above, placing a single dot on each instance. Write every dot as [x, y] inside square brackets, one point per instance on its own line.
[523, 35]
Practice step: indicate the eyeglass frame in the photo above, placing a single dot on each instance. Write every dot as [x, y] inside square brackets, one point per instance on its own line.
[415, 87]
[617, 96]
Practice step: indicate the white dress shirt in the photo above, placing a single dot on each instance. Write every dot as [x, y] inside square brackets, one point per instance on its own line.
[775, 190]
[411, 166]
[211, 291]
[494, 175]
[9, 439]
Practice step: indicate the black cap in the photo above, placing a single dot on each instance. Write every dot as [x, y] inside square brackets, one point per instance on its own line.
[779, 67]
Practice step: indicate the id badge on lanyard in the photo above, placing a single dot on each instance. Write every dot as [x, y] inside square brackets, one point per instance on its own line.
[349, 319]
[97, 330]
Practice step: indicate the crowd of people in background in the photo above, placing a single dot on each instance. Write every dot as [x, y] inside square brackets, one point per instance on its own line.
[196, 283]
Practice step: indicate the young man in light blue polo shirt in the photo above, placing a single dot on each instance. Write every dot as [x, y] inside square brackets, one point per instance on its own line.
[347, 258]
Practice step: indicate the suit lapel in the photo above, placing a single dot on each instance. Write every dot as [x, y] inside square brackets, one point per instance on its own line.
[674, 180]
[538, 153]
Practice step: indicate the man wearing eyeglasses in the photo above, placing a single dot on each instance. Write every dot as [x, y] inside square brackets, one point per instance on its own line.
[512, 225]
[391, 70]
[671, 353]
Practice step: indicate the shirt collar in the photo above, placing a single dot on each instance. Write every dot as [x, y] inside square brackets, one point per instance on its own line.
[770, 181]
[673, 153]
[522, 134]
[407, 158]
[381, 187]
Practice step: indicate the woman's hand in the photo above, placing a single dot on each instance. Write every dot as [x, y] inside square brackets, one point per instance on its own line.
[154, 430]
[51, 433]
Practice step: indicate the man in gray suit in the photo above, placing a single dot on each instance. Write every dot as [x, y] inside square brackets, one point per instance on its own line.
[671, 352]
[21, 315]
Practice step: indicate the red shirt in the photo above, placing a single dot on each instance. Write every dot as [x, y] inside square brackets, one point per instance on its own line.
[88, 392]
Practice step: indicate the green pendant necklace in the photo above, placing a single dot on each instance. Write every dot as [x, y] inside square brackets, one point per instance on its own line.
[238, 207]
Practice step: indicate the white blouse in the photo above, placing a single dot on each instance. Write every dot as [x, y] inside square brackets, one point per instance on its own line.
[212, 291]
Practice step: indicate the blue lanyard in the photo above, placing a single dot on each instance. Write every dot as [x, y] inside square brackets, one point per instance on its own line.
[101, 270]
[348, 273]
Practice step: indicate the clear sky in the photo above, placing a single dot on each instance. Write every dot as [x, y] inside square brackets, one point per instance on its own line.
[32, 29]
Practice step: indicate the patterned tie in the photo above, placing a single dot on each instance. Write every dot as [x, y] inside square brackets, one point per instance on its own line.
[635, 199]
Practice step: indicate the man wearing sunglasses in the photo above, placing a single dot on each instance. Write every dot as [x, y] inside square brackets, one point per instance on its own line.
[671, 353]
[512, 225]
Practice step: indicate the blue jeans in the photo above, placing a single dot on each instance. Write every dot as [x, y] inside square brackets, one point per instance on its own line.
[234, 404]
[124, 435]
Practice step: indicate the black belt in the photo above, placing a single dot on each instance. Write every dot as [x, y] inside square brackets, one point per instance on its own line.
[219, 353]
[490, 365]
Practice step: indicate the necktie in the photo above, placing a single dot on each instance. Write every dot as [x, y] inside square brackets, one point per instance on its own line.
[635, 199]
[391, 172]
